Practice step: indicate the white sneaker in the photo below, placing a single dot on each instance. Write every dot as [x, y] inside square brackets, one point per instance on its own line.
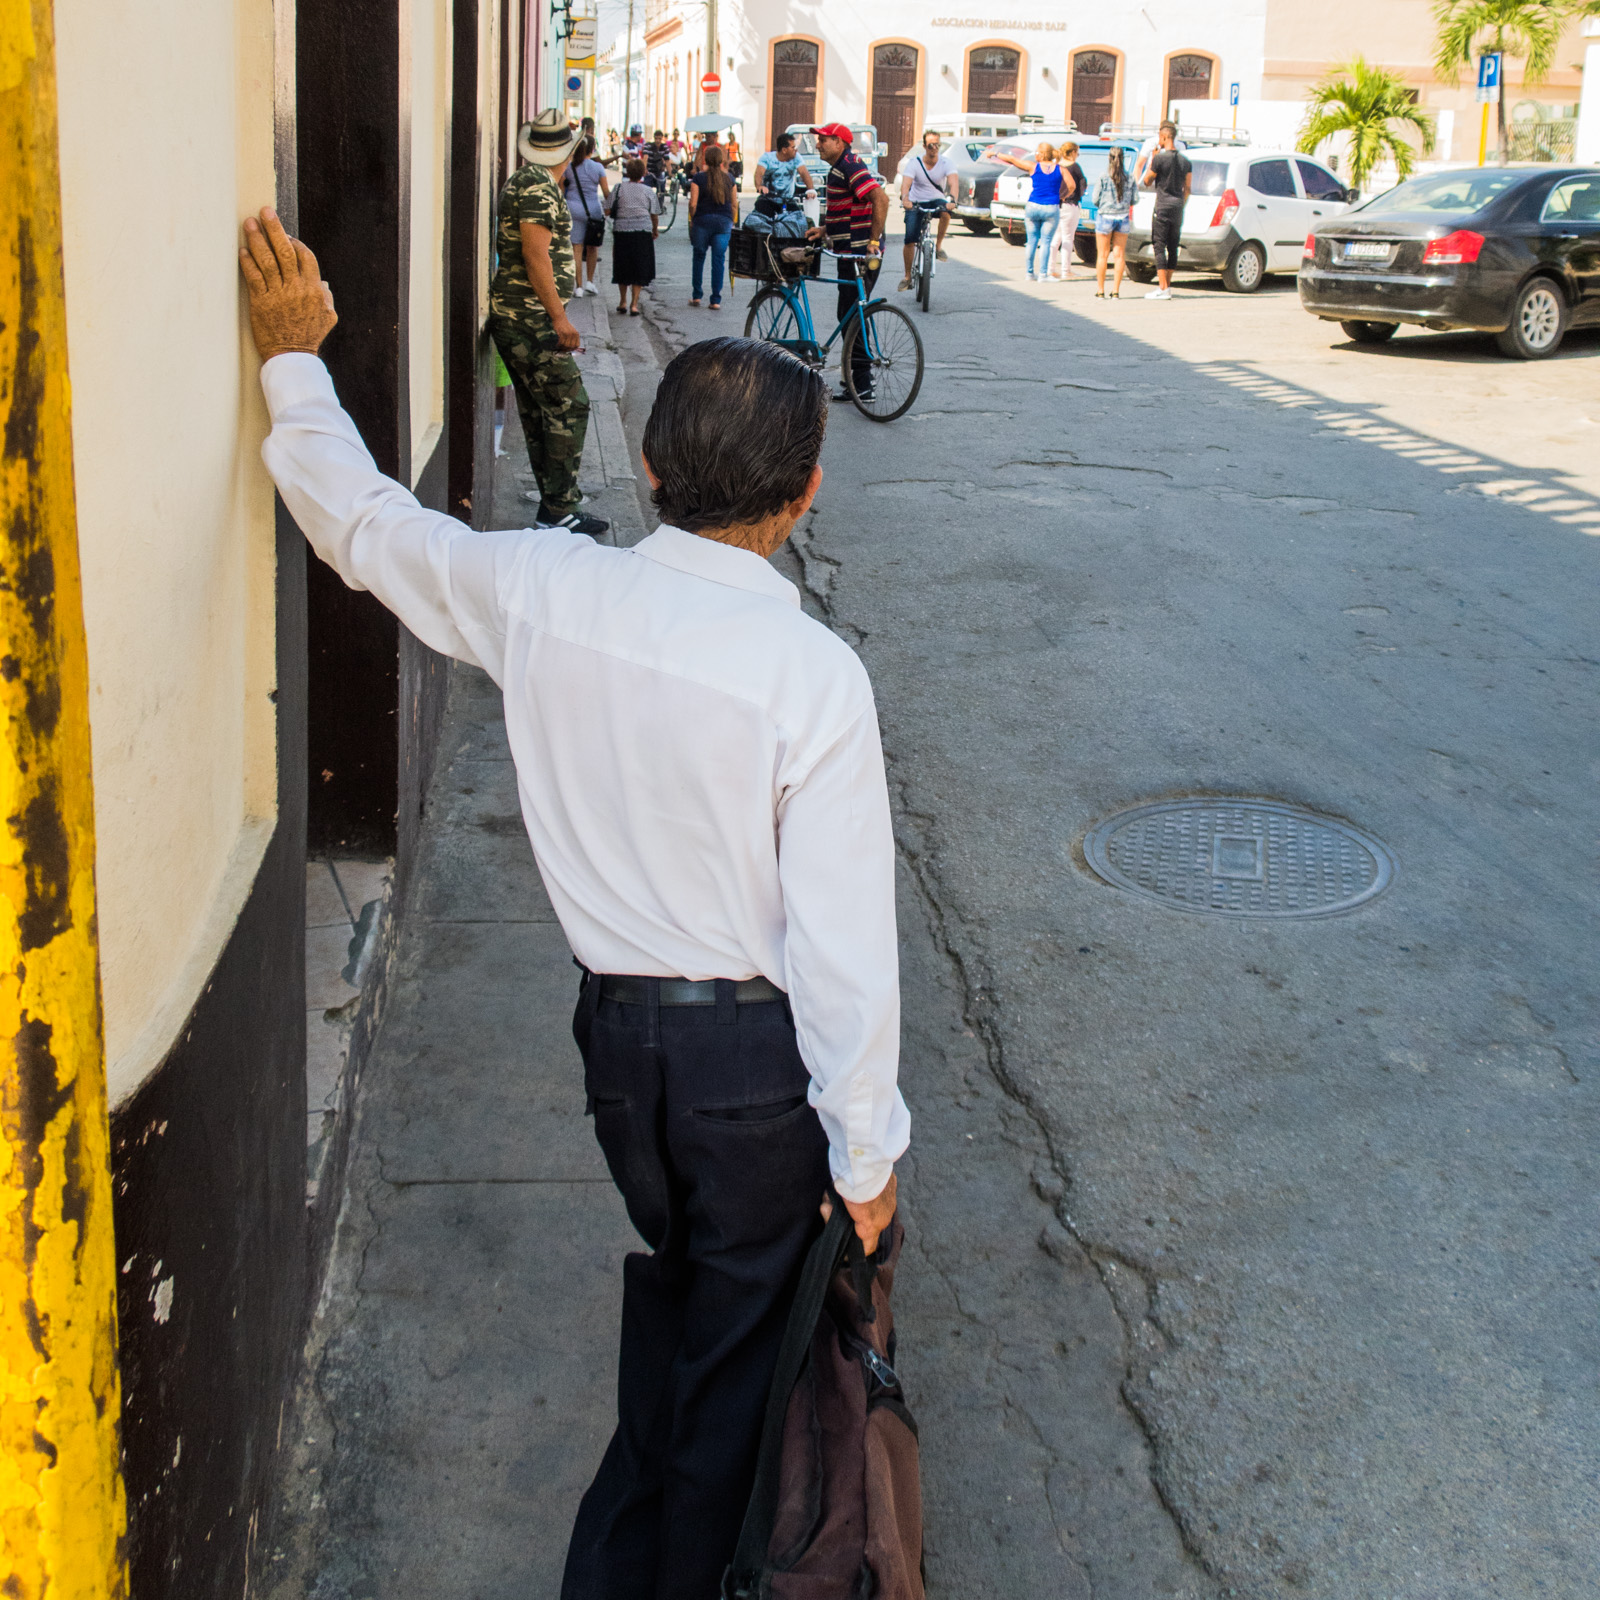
[1159, 294]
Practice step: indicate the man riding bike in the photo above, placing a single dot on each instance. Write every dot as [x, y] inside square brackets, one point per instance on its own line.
[779, 174]
[926, 178]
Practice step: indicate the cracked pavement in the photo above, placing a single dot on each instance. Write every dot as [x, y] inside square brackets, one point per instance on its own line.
[1247, 1258]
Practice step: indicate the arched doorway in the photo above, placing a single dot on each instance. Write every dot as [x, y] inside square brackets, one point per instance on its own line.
[1094, 89]
[993, 74]
[1188, 78]
[894, 99]
[794, 83]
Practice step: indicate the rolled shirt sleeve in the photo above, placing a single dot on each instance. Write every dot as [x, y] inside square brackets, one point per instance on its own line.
[836, 868]
[440, 577]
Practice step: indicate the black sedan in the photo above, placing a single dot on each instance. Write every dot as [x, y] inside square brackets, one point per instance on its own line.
[1505, 250]
[977, 178]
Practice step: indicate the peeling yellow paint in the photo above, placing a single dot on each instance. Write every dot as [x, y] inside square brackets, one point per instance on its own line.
[62, 1509]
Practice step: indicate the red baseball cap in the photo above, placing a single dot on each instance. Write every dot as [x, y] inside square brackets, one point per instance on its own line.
[836, 130]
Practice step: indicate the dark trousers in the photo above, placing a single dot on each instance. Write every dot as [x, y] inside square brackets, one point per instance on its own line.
[849, 272]
[701, 1113]
[1164, 228]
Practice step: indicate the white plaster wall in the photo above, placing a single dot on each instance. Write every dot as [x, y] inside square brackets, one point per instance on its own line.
[166, 144]
[430, 104]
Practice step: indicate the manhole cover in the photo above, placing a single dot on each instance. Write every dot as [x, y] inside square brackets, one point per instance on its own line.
[1239, 858]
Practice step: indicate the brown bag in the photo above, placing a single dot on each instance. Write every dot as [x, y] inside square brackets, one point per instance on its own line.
[836, 1511]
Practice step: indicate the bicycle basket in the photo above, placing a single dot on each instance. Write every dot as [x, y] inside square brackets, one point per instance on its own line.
[747, 255]
[795, 260]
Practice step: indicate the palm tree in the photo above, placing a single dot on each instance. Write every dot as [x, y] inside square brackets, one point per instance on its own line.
[1527, 28]
[1366, 102]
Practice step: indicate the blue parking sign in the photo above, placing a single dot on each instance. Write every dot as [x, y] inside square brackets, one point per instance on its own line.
[1233, 94]
[1488, 71]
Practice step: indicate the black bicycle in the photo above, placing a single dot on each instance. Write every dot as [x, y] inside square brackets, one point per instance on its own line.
[926, 255]
[674, 186]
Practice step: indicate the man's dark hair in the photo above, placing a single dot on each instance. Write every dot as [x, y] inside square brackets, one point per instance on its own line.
[782, 140]
[1169, 127]
[734, 432]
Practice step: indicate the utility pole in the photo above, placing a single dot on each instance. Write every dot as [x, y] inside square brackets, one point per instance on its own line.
[711, 50]
[627, 79]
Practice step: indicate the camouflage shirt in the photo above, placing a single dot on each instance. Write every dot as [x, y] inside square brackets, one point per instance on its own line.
[530, 195]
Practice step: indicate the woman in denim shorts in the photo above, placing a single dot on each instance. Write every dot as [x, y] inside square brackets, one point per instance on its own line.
[1113, 205]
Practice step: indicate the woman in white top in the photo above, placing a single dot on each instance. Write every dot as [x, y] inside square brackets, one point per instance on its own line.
[586, 187]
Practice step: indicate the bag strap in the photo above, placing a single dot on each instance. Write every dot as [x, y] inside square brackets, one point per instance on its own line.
[755, 1536]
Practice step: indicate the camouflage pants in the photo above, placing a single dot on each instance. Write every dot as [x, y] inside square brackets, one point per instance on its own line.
[554, 407]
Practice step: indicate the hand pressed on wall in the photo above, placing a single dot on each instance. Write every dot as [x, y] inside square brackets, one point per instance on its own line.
[291, 308]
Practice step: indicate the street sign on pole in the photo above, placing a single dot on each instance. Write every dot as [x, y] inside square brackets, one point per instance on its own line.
[1233, 100]
[1489, 78]
[711, 83]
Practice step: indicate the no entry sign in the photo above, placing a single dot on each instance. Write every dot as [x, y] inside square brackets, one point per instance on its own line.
[710, 83]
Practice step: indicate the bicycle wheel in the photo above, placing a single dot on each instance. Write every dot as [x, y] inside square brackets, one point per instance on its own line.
[772, 319]
[669, 208]
[894, 362]
[925, 256]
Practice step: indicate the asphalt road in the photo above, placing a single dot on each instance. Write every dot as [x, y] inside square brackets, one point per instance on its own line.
[1274, 1242]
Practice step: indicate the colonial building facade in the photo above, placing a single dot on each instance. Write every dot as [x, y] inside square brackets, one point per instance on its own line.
[896, 66]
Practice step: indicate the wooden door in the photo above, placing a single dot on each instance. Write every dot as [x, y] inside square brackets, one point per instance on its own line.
[1094, 85]
[894, 101]
[1188, 78]
[794, 85]
[992, 81]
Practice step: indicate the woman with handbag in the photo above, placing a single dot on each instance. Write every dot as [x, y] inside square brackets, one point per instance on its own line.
[635, 209]
[586, 187]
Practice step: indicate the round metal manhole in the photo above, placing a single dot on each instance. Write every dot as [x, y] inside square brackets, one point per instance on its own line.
[1239, 858]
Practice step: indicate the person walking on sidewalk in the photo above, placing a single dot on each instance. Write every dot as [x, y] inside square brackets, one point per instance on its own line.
[1042, 212]
[529, 325]
[1169, 174]
[1113, 205]
[702, 781]
[585, 187]
[635, 226]
[926, 176]
[857, 208]
[711, 219]
[1073, 185]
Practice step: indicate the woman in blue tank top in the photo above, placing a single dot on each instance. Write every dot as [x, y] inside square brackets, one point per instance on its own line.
[1043, 207]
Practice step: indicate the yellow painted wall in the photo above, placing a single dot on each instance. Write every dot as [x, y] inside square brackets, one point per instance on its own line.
[166, 144]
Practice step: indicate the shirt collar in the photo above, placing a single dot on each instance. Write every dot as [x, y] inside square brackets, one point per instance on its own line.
[720, 563]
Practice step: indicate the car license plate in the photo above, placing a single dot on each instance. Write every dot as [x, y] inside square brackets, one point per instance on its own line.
[1361, 250]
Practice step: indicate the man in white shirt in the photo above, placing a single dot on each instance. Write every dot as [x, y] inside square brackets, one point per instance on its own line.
[926, 175]
[702, 780]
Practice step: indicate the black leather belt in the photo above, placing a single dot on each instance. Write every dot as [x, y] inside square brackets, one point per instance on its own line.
[685, 991]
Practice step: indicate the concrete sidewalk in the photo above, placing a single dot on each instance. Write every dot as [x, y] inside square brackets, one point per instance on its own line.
[459, 1376]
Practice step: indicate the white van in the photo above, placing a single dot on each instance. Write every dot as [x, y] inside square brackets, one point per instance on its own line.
[1248, 214]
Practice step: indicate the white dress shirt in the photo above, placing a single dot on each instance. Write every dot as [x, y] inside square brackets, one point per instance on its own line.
[698, 761]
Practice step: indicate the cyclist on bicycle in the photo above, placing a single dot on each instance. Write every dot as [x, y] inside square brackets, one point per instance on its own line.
[925, 180]
[779, 176]
[657, 161]
[858, 207]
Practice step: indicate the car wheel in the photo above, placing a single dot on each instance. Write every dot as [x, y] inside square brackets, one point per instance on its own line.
[978, 225]
[1370, 332]
[1088, 250]
[1246, 269]
[1017, 237]
[1538, 321]
[1141, 272]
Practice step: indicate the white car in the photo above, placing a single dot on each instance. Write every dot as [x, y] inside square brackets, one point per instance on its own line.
[1248, 214]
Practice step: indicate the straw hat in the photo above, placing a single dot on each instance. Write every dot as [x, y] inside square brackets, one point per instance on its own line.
[547, 140]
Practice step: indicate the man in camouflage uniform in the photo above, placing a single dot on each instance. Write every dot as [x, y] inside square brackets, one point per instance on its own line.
[529, 324]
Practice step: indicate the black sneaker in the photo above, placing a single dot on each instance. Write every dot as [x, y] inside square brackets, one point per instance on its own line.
[860, 394]
[573, 522]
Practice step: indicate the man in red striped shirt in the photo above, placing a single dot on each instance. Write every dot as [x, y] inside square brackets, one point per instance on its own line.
[857, 208]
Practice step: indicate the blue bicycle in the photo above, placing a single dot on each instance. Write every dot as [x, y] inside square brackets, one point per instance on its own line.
[881, 352]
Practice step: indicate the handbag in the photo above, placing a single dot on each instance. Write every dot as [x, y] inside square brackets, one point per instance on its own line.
[836, 1509]
[594, 232]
